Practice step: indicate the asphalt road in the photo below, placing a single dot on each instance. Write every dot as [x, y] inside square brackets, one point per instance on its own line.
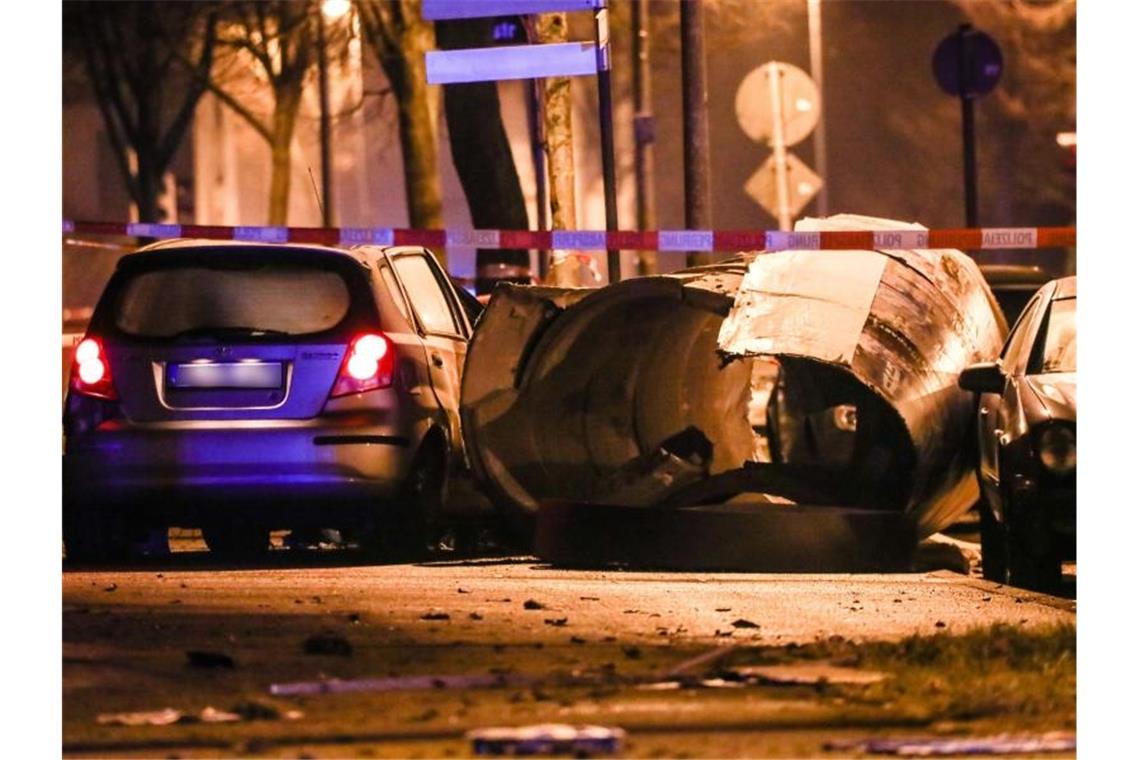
[127, 632]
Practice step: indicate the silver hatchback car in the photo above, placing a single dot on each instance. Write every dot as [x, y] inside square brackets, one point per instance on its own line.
[242, 388]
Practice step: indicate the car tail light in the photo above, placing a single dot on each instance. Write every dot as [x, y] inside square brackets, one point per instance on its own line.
[369, 363]
[90, 370]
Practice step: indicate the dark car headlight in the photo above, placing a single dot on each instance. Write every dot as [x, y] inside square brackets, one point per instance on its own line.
[1057, 449]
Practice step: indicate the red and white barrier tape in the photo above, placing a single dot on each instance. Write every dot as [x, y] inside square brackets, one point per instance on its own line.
[600, 240]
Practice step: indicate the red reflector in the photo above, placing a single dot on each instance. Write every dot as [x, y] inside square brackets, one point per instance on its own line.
[368, 364]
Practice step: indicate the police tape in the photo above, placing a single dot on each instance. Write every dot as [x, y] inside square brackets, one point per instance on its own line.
[984, 238]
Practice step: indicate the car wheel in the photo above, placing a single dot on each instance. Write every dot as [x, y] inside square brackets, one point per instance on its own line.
[92, 534]
[237, 540]
[1034, 561]
[414, 517]
[994, 545]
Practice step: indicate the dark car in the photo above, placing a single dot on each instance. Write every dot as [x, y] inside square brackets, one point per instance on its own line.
[1027, 439]
[241, 388]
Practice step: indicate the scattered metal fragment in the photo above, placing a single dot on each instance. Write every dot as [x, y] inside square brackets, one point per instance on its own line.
[203, 659]
[327, 644]
[435, 615]
[112, 587]
[1001, 744]
[742, 623]
[548, 739]
[557, 622]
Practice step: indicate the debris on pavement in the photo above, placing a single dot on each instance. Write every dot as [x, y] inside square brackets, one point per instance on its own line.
[327, 643]
[557, 622]
[435, 615]
[1002, 744]
[164, 717]
[806, 673]
[204, 659]
[742, 623]
[244, 711]
[399, 683]
[548, 739]
[531, 604]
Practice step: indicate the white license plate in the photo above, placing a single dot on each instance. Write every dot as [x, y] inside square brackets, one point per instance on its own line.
[253, 374]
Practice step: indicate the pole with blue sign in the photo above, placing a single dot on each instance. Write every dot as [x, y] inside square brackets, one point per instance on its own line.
[534, 61]
[968, 64]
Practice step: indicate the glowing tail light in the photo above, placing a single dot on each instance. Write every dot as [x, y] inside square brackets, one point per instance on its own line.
[368, 364]
[90, 371]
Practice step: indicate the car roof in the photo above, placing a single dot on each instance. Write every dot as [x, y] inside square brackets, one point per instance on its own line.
[1066, 287]
[182, 245]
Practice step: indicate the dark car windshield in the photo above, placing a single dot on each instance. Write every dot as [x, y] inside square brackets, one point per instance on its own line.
[258, 298]
[1060, 353]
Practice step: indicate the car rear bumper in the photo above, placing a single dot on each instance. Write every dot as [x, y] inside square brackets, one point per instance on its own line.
[180, 467]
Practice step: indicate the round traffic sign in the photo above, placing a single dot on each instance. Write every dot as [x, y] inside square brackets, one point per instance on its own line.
[967, 63]
[796, 96]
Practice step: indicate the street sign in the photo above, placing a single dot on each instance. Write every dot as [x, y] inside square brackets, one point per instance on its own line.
[436, 10]
[802, 184]
[967, 63]
[525, 62]
[799, 99]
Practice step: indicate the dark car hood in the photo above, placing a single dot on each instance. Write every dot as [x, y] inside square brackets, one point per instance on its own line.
[1057, 392]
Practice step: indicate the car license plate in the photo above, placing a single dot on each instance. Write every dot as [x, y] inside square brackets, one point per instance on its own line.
[245, 374]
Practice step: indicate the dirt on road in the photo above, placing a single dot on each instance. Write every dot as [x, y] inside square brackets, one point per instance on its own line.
[679, 660]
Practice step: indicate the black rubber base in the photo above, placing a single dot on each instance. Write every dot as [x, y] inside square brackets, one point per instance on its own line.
[747, 538]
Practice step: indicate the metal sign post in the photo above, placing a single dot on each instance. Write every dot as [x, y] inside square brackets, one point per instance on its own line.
[606, 124]
[968, 64]
[534, 61]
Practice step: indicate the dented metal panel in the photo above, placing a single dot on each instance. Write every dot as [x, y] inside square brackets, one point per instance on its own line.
[838, 367]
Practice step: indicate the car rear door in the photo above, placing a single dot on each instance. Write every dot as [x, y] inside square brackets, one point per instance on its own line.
[442, 326]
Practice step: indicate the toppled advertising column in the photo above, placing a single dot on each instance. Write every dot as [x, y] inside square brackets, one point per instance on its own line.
[785, 410]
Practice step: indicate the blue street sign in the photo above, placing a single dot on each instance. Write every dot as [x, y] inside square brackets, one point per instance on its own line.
[436, 10]
[526, 62]
[967, 63]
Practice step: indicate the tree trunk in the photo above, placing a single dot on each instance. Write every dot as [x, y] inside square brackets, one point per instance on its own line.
[564, 269]
[284, 122]
[482, 156]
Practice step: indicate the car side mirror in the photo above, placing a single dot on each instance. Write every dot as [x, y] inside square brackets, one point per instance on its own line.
[984, 377]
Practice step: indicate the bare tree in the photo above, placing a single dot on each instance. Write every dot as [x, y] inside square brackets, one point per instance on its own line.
[279, 40]
[398, 35]
[128, 51]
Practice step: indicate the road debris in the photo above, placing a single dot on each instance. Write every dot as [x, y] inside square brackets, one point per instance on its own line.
[742, 623]
[164, 717]
[435, 615]
[806, 673]
[548, 739]
[531, 604]
[1001, 744]
[203, 659]
[400, 683]
[557, 622]
[327, 643]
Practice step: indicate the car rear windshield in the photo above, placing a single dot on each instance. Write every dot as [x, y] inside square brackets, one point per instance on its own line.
[1060, 354]
[255, 297]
